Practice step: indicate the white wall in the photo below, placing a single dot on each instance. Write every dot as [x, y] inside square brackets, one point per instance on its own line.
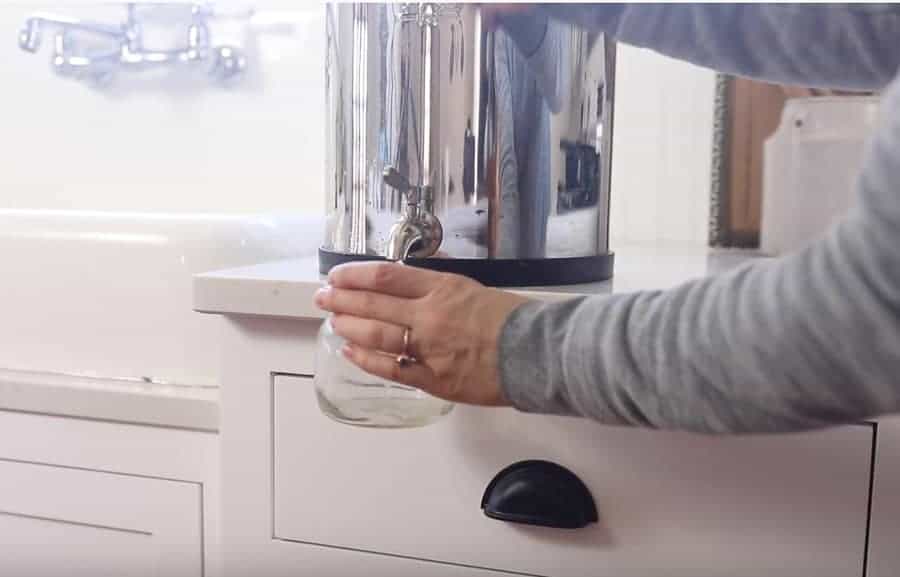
[170, 143]
[178, 144]
[662, 150]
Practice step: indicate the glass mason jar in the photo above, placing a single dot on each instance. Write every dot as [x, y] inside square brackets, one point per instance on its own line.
[349, 395]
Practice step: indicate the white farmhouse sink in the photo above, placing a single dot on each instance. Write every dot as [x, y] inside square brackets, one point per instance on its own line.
[108, 295]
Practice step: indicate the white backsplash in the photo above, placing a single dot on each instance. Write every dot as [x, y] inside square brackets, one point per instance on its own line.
[175, 143]
[158, 143]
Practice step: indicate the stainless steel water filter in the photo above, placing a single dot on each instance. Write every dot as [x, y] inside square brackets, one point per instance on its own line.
[468, 142]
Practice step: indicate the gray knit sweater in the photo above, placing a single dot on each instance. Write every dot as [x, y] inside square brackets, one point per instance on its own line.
[808, 340]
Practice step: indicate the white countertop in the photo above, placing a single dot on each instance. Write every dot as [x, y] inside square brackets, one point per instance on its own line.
[285, 288]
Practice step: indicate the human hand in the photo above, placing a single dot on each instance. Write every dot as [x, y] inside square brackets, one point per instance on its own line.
[454, 327]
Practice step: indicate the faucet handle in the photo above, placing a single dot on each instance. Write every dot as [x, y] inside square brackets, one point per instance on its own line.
[394, 179]
[30, 35]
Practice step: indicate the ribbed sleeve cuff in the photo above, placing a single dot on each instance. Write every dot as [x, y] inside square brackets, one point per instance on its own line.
[530, 360]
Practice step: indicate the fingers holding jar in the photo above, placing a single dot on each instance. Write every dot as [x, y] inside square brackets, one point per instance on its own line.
[449, 325]
[372, 334]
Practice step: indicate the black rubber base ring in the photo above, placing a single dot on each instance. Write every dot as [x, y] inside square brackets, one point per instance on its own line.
[500, 272]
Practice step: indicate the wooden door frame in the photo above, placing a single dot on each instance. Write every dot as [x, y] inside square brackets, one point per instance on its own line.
[746, 114]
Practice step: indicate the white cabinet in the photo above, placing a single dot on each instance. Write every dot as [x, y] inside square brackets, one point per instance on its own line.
[884, 536]
[669, 504]
[305, 496]
[85, 498]
[82, 523]
[283, 558]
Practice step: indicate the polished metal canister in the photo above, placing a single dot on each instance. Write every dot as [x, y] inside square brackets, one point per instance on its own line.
[468, 141]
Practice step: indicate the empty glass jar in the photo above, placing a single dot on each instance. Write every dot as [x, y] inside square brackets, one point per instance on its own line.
[349, 395]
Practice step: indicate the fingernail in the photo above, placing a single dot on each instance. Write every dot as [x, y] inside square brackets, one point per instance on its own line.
[321, 296]
[347, 351]
[332, 274]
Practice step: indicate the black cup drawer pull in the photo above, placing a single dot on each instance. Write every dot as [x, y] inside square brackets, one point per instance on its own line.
[539, 493]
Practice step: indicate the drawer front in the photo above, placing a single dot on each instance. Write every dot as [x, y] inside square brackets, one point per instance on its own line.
[81, 523]
[669, 504]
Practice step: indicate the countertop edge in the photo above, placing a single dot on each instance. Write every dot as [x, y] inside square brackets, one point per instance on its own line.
[242, 296]
[112, 400]
[285, 288]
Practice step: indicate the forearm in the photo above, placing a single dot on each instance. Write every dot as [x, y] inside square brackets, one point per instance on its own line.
[747, 352]
[833, 46]
[800, 342]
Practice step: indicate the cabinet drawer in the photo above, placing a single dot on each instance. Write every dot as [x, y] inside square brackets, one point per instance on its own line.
[669, 504]
[80, 523]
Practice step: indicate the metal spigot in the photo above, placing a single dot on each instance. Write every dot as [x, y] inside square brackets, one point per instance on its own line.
[418, 233]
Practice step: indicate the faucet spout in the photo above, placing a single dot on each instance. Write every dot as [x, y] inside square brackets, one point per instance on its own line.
[418, 233]
[403, 241]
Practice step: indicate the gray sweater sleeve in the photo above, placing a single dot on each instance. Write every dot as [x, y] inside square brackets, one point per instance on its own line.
[850, 46]
[803, 341]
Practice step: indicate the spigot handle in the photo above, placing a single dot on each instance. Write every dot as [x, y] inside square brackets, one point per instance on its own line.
[394, 179]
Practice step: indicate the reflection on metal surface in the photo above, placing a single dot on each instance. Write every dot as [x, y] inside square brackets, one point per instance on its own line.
[502, 129]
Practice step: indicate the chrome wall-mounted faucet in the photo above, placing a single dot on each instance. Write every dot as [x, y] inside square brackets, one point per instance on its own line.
[127, 51]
